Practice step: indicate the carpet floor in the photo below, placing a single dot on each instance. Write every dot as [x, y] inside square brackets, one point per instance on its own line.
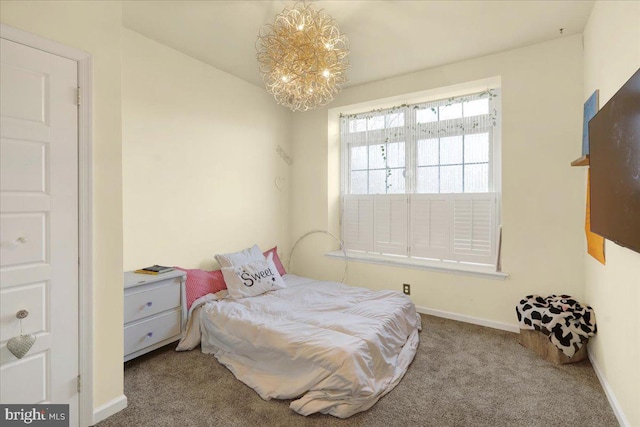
[462, 375]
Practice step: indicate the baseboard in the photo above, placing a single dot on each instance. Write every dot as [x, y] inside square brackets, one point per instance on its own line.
[468, 319]
[111, 407]
[611, 397]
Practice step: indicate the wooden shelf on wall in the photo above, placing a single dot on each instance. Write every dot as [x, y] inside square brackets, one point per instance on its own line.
[582, 161]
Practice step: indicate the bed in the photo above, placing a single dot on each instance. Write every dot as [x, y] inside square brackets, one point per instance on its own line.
[333, 348]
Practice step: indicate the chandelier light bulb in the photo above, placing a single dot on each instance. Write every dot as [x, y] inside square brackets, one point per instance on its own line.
[302, 57]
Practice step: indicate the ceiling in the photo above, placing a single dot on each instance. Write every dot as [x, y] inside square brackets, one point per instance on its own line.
[387, 38]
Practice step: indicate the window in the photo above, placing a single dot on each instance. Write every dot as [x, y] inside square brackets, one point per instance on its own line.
[419, 181]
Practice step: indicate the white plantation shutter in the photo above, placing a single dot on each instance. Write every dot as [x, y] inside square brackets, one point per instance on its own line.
[457, 227]
[474, 227]
[390, 224]
[430, 224]
[357, 223]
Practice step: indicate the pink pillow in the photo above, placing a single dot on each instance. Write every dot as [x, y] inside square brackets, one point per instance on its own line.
[276, 260]
[201, 282]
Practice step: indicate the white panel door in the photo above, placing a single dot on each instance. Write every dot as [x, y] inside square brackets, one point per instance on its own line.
[39, 225]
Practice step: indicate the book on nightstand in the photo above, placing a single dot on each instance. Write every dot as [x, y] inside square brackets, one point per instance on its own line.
[154, 269]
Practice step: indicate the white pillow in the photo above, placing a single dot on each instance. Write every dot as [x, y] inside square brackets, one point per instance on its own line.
[240, 258]
[253, 278]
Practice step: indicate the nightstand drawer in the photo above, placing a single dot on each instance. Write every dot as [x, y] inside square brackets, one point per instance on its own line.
[150, 331]
[143, 302]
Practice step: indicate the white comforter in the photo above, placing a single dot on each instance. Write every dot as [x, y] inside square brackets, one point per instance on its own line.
[336, 348]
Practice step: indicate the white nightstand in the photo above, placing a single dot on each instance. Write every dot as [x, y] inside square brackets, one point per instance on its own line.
[153, 311]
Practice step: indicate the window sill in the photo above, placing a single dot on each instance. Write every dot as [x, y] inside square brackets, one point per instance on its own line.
[486, 272]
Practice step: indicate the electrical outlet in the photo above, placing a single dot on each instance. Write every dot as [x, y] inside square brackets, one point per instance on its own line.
[406, 288]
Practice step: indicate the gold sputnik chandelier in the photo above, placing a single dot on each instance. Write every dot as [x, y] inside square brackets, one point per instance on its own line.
[302, 57]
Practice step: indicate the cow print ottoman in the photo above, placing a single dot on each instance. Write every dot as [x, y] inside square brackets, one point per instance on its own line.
[567, 323]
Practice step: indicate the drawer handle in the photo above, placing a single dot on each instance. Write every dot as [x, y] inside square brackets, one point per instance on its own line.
[150, 334]
[149, 304]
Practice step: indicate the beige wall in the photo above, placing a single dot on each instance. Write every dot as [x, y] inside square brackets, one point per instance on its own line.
[199, 160]
[542, 232]
[611, 56]
[94, 27]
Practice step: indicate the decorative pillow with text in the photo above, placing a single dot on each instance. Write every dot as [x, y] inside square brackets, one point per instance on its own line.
[253, 278]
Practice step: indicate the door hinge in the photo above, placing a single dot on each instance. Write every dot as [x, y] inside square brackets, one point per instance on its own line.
[78, 384]
[78, 100]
